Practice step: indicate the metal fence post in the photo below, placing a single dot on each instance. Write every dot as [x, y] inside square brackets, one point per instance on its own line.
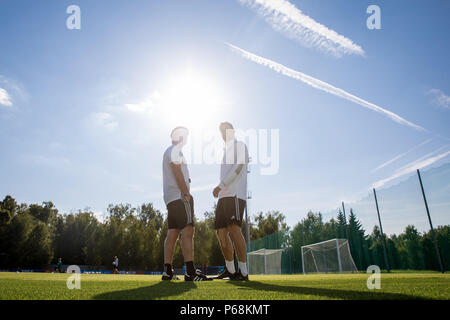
[436, 247]
[382, 234]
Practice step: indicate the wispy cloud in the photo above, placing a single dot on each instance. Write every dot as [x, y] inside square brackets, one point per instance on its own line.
[5, 99]
[321, 85]
[103, 119]
[12, 92]
[147, 105]
[400, 156]
[411, 167]
[284, 17]
[440, 98]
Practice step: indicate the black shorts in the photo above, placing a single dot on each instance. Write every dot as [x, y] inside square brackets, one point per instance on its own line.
[229, 210]
[180, 213]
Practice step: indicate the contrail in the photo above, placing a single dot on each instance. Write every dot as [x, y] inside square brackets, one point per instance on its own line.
[423, 157]
[413, 166]
[321, 85]
[284, 17]
[400, 156]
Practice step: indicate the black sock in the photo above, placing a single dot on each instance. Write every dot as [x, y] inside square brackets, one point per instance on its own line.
[168, 269]
[190, 267]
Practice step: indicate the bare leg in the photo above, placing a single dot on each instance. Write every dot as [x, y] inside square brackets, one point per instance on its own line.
[187, 243]
[239, 242]
[225, 244]
[169, 245]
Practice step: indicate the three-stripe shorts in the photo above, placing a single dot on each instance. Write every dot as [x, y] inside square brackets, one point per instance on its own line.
[229, 210]
[180, 213]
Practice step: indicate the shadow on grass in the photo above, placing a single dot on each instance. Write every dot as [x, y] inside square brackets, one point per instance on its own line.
[161, 290]
[166, 289]
[323, 292]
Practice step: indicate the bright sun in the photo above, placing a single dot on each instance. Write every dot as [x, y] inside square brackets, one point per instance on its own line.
[193, 100]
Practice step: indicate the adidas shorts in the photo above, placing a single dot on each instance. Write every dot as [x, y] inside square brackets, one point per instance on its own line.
[180, 213]
[229, 210]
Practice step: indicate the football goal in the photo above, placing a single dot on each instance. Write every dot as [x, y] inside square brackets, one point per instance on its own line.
[328, 256]
[264, 261]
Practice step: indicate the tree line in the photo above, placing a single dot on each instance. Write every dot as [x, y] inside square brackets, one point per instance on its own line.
[36, 235]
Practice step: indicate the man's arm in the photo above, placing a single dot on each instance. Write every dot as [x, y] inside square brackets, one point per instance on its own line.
[176, 169]
[242, 159]
[234, 173]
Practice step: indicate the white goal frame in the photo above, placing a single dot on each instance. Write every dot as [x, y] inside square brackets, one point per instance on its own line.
[264, 252]
[339, 244]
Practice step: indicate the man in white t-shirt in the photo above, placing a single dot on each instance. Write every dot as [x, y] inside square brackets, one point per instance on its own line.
[180, 208]
[232, 194]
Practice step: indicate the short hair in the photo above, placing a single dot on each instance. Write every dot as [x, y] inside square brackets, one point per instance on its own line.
[227, 124]
[178, 132]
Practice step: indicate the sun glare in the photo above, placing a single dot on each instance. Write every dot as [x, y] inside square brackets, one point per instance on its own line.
[193, 100]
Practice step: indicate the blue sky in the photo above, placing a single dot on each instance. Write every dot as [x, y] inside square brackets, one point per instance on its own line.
[82, 122]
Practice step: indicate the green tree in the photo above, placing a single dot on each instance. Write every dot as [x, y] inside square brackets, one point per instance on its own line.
[266, 224]
[359, 243]
[411, 242]
[330, 229]
[36, 251]
[443, 239]
[342, 225]
[7, 211]
[5, 217]
[44, 213]
[31, 236]
[376, 248]
[9, 204]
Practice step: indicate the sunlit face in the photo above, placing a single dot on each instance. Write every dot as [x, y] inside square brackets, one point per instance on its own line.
[179, 136]
[227, 132]
[191, 99]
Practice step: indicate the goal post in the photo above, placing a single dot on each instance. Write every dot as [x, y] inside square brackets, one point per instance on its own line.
[338, 256]
[332, 256]
[289, 257]
[303, 261]
[264, 261]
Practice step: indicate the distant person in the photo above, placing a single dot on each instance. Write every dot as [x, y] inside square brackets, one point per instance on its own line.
[59, 265]
[115, 265]
[180, 208]
[232, 194]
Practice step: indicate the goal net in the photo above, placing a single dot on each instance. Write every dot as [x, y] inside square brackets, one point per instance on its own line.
[265, 261]
[328, 256]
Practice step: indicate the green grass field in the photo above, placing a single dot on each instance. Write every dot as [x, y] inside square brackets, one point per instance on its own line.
[330, 286]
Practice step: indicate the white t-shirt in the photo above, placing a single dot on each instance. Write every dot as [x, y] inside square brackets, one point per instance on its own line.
[233, 171]
[171, 190]
[116, 262]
